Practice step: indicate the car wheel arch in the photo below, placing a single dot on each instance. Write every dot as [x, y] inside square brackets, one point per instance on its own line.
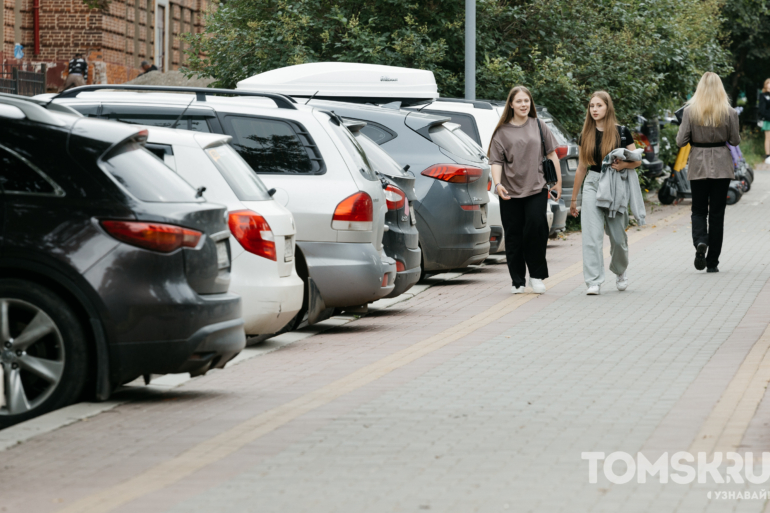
[98, 380]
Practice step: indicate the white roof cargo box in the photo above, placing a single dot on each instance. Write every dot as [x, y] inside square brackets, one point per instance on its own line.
[347, 81]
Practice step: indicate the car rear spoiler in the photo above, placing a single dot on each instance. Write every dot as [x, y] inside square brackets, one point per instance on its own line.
[422, 123]
[281, 101]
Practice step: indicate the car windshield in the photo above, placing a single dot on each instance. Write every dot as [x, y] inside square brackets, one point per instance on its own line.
[448, 141]
[380, 161]
[242, 179]
[146, 177]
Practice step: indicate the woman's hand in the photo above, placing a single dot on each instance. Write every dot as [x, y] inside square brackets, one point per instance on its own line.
[502, 192]
[620, 164]
[573, 210]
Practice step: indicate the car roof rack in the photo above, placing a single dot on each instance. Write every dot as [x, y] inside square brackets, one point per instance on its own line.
[32, 109]
[281, 101]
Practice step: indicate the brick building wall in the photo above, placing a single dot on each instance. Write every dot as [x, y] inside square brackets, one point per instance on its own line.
[114, 40]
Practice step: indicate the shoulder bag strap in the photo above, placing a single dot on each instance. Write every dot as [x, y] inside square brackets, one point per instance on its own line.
[542, 139]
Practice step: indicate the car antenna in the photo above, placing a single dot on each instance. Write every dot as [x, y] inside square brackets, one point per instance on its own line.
[176, 122]
[308, 100]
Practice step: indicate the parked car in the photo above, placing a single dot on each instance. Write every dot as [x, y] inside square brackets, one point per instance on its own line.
[262, 232]
[111, 265]
[304, 154]
[401, 239]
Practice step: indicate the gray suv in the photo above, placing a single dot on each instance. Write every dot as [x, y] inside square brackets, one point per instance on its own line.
[450, 186]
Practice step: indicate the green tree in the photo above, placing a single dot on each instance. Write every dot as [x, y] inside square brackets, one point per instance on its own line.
[647, 53]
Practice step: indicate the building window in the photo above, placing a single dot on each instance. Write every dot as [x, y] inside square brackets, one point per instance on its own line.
[160, 37]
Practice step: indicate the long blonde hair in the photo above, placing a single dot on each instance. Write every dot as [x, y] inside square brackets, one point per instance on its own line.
[765, 88]
[610, 139]
[507, 115]
[709, 106]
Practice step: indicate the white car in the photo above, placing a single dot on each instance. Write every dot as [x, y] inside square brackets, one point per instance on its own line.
[262, 232]
[311, 160]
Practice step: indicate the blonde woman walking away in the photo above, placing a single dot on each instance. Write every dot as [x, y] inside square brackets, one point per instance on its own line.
[516, 155]
[600, 136]
[764, 116]
[708, 123]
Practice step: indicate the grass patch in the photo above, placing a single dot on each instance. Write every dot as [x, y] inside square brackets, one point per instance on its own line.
[753, 145]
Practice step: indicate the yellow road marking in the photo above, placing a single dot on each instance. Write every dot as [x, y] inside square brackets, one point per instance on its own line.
[214, 449]
[728, 421]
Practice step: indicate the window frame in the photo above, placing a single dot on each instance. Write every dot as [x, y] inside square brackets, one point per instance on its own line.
[299, 130]
[58, 192]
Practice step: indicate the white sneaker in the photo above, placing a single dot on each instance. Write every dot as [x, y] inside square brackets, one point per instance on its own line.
[593, 290]
[622, 281]
[517, 290]
[538, 287]
[767, 160]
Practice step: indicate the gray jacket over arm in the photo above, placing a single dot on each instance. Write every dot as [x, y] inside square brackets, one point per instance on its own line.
[618, 190]
[710, 162]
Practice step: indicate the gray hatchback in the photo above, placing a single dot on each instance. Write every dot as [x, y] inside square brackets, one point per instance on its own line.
[450, 186]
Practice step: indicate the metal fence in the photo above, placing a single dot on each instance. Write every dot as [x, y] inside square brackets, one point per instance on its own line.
[26, 83]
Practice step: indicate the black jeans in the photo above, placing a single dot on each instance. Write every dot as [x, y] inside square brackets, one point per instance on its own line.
[709, 200]
[526, 235]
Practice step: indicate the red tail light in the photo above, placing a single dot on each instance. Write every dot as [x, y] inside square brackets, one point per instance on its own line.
[253, 233]
[400, 266]
[395, 198]
[470, 207]
[561, 151]
[453, 173]
[155, 236]
[355, 212]
[489, 185]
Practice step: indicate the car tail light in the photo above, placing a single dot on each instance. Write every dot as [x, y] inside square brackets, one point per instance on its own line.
[400, 266]
[395, 198]
[493, 238]
[561, 151]
[470, 207]
[355, 212]
[155, 236]
[385, 280]
[253, 233]
[489, 185]
[453, 173]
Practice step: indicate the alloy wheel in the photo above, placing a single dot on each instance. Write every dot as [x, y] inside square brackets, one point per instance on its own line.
[31, 355]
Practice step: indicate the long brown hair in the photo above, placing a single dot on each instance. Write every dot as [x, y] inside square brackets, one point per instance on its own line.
[508, 110]
[610, 139]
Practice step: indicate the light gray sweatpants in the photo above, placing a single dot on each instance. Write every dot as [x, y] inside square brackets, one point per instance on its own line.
[595, 222]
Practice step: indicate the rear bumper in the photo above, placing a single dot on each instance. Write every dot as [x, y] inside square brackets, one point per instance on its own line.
[405, 280]
[560, 212]
[495, 238]
[347, 274]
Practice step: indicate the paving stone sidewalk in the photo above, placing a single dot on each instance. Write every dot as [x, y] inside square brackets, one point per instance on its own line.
[460, 399]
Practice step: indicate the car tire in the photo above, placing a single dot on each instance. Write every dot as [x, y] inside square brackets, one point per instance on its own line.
[44, 353]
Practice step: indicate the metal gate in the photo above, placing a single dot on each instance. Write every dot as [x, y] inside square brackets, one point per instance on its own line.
[26, 83]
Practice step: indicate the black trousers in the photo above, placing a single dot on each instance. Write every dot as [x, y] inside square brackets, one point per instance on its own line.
[526, 235]
[709, 200]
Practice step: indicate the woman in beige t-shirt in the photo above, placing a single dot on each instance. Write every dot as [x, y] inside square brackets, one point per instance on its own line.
[516, 155]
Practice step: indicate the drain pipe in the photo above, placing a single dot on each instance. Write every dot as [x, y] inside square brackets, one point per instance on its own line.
[36, 13]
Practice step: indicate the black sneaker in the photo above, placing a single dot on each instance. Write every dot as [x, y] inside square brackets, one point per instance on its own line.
[712, 270]
[700, 256]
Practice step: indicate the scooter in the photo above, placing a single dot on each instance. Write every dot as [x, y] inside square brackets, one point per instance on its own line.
[677, 186]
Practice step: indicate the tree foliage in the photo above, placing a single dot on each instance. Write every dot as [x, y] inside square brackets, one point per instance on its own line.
[647, 53]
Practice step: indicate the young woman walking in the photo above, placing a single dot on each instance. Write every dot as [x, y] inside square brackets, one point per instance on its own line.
[708, 123]
[516, 155]
[601, 134]
[764, 116]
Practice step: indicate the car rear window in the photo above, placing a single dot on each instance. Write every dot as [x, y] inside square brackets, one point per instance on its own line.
[242, 179]
[380, 161]
[559, 132]
[469, 142]
[274, 146]
[466, 122]
[146, 177]
[448, 141]
[353, 149]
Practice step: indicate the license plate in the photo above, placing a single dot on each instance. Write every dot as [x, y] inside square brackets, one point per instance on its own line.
[572, 164]
[412, 216]
[288, 252]
[222, 259]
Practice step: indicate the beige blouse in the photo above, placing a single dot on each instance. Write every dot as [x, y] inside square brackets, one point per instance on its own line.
[710, 162]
